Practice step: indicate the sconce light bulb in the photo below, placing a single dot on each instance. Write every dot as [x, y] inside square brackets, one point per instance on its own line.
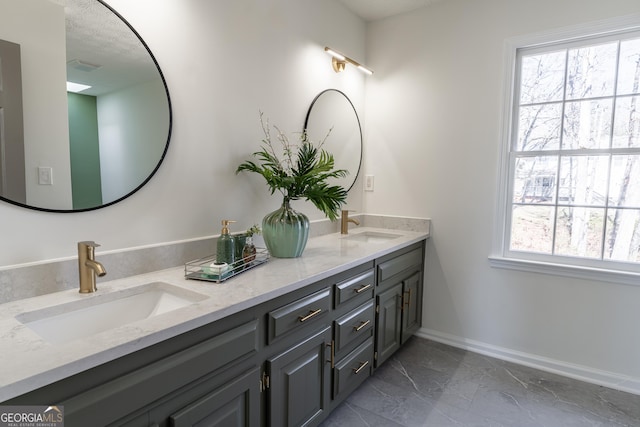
[339, 62]
[365, 70]
[335, 54]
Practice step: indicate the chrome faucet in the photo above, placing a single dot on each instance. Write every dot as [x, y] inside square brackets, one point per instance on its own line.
[344, 222]
[88, 267]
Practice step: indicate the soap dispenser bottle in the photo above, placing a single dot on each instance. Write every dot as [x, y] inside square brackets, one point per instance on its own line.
[226, 249]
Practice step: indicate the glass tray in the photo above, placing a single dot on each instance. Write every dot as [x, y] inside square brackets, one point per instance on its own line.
[200, 269]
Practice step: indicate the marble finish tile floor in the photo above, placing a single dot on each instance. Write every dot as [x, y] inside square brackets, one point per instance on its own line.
[429, 384]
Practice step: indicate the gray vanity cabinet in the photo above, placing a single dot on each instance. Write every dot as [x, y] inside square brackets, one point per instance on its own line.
[398, 299]
[288, 361]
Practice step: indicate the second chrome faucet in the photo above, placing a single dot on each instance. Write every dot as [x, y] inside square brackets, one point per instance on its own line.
[88, 267]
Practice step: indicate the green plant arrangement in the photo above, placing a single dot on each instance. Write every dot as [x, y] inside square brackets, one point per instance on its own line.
[302, 172]
[297, 171]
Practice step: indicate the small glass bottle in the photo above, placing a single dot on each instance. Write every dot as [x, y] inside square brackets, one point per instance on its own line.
[249, 251]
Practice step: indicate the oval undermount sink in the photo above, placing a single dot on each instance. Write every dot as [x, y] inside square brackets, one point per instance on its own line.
[100, 312]
[372, 237]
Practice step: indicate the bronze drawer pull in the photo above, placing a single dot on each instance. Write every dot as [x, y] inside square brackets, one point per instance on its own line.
[310, 315]
[362, 325]
[361, 367]
[362, 289]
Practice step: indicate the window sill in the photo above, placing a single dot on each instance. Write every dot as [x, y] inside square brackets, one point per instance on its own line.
[564, 270]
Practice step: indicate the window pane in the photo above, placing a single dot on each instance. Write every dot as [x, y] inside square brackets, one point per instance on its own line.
[539, 127]
[542, 77]
[623, 235]
[579, 232]
[629, 72]
[583, 180]
[626, 131]
[575, 153]
[624, 189]
[587, 124]
[532, 229]
[591, 71]
[535, 179]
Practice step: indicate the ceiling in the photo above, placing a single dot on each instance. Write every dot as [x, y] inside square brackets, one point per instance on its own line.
[102, 51]
[372, 10]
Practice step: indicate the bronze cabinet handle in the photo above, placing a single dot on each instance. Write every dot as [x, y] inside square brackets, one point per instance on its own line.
[361, 367]
[362, 325]
[310, 315]
[362, 289]
[408, 303]
[332, 344]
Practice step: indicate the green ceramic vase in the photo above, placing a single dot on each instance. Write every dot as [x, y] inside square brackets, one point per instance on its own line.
[285, 232]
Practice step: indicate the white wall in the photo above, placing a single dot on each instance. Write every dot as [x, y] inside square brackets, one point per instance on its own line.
[223, 61]
[38, 27]
[433, 133]
[129, 148]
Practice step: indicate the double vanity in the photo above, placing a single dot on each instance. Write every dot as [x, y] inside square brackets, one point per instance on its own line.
[280, 344]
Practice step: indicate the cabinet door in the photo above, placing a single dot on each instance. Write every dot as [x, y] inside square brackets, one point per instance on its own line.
[300, 382]
[236, 404]
[411, 306]
[389, 322]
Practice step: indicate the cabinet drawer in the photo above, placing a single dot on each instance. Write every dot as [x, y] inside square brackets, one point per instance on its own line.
[299, 313]
[355, 325]
[353, 369]
[396, 265]
[359, 287]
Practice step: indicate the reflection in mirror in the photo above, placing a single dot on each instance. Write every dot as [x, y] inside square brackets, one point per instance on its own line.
[88, 149]
[332, 109]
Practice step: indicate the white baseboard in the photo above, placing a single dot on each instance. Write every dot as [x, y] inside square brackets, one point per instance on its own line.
[578, 372]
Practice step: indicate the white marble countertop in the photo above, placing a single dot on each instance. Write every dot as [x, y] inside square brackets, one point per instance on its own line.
[28, 362]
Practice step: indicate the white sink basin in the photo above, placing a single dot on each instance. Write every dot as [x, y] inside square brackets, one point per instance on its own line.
[100, 312]
[372, 237]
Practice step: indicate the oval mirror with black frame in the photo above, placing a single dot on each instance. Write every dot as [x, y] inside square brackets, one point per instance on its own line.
[332, 110]
[80, 149]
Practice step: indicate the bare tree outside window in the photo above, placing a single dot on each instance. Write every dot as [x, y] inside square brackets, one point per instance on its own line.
[575, 152]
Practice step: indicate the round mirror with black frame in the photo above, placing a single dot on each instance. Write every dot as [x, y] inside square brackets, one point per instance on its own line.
[117, 131]
[332, 110]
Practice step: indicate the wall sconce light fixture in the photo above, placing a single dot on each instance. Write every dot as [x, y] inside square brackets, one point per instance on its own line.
[339, 61]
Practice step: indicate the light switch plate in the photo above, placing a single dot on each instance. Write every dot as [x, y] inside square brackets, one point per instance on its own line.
[368, 183]
[45, 175]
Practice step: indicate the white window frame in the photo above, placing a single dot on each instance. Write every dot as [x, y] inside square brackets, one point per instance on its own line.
[501, 257]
